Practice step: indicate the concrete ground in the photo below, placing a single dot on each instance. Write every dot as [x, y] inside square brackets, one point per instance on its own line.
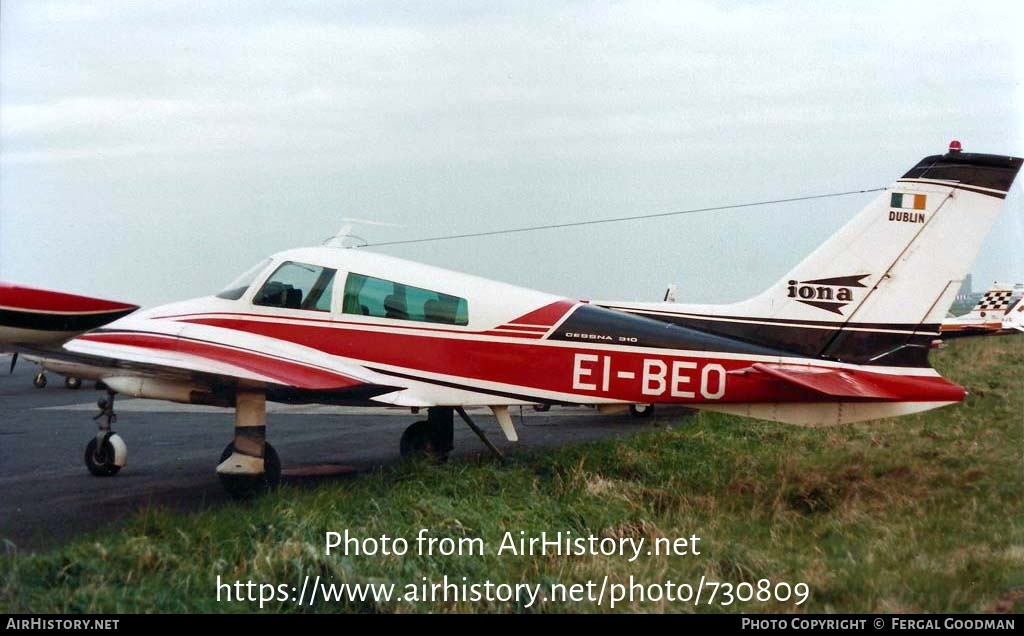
[49, 496]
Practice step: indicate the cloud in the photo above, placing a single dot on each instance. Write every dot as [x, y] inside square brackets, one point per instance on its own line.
[278, 119]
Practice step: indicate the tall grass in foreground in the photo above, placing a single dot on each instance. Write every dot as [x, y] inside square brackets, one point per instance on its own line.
[916, 514]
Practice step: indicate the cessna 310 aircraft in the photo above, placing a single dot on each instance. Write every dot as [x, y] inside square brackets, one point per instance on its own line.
[844, 337]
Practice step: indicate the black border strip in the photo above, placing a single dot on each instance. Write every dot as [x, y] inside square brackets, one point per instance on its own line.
[879, 326]
[36, 321]
[956, 186]
[472, 389]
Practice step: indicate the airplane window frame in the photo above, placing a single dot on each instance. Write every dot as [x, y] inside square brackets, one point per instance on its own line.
[321, 287]
[390, 300]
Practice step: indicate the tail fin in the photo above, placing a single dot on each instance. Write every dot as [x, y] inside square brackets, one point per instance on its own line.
[994, 302]
[902, 259]
[1014, 316]
[876, 291]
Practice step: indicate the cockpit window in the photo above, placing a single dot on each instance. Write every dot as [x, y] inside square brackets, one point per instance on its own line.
[369, 296]
[236, 288]
[297, 286]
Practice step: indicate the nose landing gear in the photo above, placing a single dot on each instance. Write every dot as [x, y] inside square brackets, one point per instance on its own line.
[106, 453]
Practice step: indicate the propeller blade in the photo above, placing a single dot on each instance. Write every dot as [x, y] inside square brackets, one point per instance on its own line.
[14, 361]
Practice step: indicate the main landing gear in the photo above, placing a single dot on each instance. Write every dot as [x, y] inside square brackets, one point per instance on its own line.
[249, 465]
[106, 453]
[432, 438]
[641, 410]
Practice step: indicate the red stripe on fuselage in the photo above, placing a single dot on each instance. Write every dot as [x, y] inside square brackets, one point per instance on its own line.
[603, 373]
[504, 330]
[512, 334]
[403, 324]
[284, 371]
[547, 315]
[43, 300]
[527, 329]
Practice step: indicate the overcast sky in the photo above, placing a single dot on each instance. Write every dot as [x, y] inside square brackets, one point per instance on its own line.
[151, 151]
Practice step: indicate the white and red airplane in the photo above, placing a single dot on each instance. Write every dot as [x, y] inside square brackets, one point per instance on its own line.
[844, 337]
[986, 318]
[1014, 316]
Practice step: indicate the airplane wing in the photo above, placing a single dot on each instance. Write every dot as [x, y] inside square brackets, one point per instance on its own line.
[73, 334]
[212, 355]
[842, 384]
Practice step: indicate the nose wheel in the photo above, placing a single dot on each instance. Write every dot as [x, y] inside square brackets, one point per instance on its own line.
[106, 453]
[101, 455]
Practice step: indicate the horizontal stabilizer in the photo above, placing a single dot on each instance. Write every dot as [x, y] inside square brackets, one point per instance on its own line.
[843, 384]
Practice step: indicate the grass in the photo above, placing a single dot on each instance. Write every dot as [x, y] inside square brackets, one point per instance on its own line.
[916, 514]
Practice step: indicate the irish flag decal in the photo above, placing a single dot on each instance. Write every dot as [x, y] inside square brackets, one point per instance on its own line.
[908, 201]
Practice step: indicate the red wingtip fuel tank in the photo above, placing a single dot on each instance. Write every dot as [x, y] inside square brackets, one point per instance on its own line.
[30, 315]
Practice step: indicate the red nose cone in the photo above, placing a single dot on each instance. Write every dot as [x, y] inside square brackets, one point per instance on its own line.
[954, 146]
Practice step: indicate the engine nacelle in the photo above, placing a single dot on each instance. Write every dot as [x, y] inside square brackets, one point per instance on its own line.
[158, 389]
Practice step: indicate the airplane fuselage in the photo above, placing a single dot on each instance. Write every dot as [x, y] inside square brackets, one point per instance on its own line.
[516, 346]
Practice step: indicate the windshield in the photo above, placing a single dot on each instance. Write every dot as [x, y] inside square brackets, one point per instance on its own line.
[297, 286]
[237, 287]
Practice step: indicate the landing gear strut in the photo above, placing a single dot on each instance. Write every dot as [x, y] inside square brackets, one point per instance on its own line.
[433, 438]
[106, 453]
[249, 465]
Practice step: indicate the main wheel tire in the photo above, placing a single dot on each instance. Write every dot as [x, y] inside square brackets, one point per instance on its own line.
[72, 382]
[641, 410]
[39, 381]
[99, 459]
[542, 408]
[249, 486]
[418, 441]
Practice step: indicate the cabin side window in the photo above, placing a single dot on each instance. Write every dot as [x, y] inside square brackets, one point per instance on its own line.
[369, 296]
[297, 286]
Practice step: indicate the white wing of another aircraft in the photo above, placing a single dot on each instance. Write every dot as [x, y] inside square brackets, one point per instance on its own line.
[986, 318]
